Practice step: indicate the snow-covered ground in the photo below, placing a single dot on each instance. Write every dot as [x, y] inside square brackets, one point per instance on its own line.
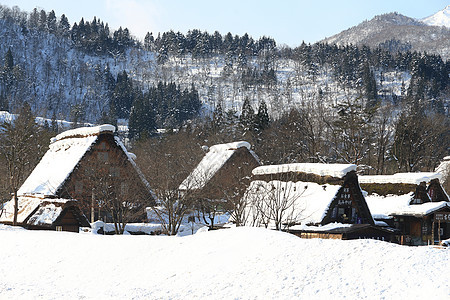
[236, 263]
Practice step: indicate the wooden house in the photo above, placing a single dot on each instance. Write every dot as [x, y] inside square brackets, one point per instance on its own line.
[409, 203]
[80, 164]
[221, 176]
[45, 214]
[324, 200]
[224, 167]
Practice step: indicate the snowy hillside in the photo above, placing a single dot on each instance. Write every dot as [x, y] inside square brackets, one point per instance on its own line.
[240, 263]
[58, 79]
[441, 18]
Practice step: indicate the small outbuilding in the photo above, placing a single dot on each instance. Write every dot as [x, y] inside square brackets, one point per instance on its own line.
[45, 214]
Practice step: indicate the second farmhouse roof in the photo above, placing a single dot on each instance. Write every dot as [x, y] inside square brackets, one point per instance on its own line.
[403, 178]
[65, 152]
[333, 170]
[313, 200]
[211, 163]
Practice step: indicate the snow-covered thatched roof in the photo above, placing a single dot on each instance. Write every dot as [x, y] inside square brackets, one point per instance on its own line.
[65, 152]
[334, 170]
[311, 200]
[383, 207]
[444, 168]
[214, 159]
[27, 205]
[406, 178]
[35, 211]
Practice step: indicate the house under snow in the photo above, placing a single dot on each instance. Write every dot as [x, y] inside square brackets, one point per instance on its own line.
[45, 214]
[409, 202]
[224, 166]
[80, 163]
[323, 200]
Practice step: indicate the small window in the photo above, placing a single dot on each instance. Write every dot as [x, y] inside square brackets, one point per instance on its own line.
[59, 228]
[78, 187]
[114, 171]
[102, 156]
[123, 188]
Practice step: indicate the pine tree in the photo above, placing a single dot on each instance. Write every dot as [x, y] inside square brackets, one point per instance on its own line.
[247, 118]
[142, 122]
[262, 117]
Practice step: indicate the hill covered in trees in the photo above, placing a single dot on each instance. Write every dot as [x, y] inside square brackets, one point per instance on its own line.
[385, 108]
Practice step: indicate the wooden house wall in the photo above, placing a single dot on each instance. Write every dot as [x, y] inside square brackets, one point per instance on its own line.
[106, 158]
[349, 205]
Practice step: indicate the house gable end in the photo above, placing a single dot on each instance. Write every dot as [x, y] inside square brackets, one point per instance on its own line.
[349, 205]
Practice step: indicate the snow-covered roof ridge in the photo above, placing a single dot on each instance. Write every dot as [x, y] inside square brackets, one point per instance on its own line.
[407, 178]
[334, 170]
[84, 132]
[230, 146]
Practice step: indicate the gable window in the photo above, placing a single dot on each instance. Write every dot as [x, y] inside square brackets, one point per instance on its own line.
[102, 156]
[78, 187]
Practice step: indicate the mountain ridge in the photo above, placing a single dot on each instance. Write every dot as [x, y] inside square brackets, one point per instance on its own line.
[394, 26]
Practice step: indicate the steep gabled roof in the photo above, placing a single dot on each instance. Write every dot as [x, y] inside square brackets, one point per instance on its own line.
[211, 163]
[65, 152]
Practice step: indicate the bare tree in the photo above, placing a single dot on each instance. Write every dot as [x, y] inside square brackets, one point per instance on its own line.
[277, 201]
[19, 148]
[117, 189]
[166, 162]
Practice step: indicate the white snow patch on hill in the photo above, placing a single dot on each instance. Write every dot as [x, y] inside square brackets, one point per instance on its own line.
[441, 18]
[239, 263]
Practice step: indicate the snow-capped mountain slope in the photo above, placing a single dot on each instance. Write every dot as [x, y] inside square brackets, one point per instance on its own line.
[441, 18]
[412, 34]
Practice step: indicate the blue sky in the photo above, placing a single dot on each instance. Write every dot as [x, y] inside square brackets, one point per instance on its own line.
[287, 21]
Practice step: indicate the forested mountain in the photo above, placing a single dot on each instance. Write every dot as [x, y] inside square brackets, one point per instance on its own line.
[396, 32]
[320, 102]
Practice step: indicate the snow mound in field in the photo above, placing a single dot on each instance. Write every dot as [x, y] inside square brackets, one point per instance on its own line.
[236, 263]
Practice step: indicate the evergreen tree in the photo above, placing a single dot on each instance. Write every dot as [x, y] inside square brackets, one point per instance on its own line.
[64, 26]
[51, 22]
[142, 122]
[122, 98]
[262, 117]
[247, 118]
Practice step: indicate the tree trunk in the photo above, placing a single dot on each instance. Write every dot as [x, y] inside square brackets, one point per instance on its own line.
[16, 208]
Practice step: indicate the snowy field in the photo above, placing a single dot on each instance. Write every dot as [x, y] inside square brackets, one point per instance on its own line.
[237, 263]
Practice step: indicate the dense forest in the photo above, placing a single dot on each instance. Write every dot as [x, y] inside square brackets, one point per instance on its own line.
[385, 109]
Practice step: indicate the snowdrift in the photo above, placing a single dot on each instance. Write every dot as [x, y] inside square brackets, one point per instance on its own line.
[237, 263]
